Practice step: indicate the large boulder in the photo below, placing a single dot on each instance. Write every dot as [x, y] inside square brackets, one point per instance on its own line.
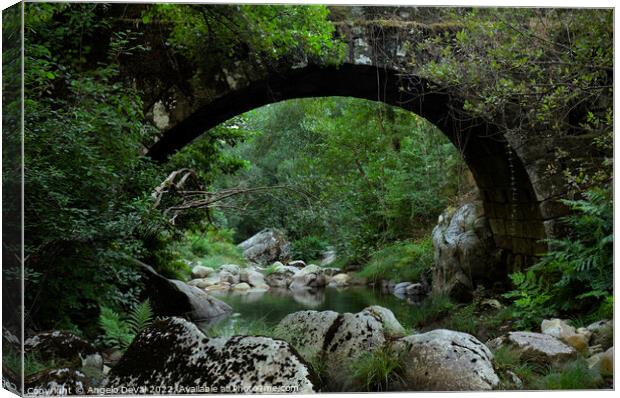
[336, 340]
[538, 347]
[174, 357]
[309, 277]
[281, 276]
[265, 247]
[170, 297]
[445, 360]
[465, 252]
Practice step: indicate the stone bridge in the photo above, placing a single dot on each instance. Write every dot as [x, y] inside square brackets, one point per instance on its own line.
[519, 196]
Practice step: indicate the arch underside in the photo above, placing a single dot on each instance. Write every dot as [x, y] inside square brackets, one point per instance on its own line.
[509, 200]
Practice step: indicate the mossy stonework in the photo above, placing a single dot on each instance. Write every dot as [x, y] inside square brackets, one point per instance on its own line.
[518, 192]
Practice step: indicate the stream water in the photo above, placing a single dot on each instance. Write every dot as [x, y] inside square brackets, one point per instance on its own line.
[266, 309]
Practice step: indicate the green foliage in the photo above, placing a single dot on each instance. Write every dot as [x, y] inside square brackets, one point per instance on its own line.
[12, 360]
[529, 71]
[270, 269]
[308, 248]
[508, 359]
[212, 248]
[89, 205]
[264, 34]
[401, 261]
[464, 319]
[359, 174]
[140, 317]
[531, 301]
[118, 331]
[433, 309]
[379, 370]
[576, 276]
[572, 375]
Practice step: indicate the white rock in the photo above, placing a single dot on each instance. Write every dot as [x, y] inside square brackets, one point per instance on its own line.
[281, 276]
[311, 276]
[445, 360]
[557, 328]
[200, 271]
[540, 347]
[228, 277]
[401, 289]
[203, 283]
[340, 280]
[241, 287]
[266, 246]
[231, 268]
[562, 330]
[254, 278]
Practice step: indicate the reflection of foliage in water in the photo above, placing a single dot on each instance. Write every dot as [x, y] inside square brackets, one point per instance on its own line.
[261, 311]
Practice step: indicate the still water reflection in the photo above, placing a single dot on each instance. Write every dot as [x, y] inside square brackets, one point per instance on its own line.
[269, 307]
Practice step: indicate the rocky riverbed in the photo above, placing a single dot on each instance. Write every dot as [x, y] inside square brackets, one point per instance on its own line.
[308, 351]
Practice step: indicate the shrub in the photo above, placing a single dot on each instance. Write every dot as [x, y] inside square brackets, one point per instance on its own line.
[308, 248]
[402, 261]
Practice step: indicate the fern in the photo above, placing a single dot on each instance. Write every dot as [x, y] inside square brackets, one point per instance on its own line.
[140, 317]
[119, 332]
[576, 276]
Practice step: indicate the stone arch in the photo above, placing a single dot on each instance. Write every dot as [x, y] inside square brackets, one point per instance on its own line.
[509, 199]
